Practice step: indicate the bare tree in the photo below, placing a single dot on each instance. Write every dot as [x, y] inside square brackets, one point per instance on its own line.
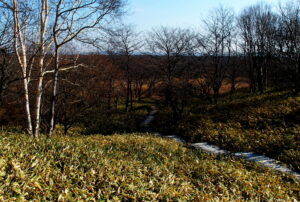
[43, 47]
[124, 43]
[6, 75]
[289, 42]
[43, 27]
[140, 75]
[234, 66]
[220, 30]
[22, 21]
[71, 19]
[169, 48]
[258, 30]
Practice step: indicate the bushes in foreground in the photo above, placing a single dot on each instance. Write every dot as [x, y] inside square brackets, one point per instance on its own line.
[129, 167]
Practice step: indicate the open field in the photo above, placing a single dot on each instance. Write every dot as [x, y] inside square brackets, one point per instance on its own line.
[129, 166]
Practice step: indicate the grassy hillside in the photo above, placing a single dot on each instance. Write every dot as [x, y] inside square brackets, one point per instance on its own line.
[131, 166]
[266, 124]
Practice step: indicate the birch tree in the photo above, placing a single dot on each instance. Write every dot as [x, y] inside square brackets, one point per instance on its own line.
[21, 22]
[41, 28]
[72, 19]
[42, 50]
[32, 43]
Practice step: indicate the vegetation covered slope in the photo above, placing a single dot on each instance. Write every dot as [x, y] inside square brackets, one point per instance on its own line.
[266, 123]
[132, 166]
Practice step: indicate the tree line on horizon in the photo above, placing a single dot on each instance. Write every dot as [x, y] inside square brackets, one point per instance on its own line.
[42, 84]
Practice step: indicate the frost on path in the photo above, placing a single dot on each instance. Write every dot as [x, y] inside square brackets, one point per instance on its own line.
[249, 156]
[266, 161]
[209, 148]
[150, 117]
[178, 139]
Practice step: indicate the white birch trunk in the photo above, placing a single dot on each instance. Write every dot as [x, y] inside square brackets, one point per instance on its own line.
[38, 105]
[22, 59]
[43, 21]
[27, 107]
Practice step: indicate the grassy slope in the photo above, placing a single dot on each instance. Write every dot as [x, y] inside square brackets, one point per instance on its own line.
[129, 166]
[266, 124]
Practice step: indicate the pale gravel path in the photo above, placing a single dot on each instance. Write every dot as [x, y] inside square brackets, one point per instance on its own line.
[208, 148]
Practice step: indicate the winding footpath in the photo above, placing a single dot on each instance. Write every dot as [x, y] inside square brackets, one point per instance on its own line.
[208, 148]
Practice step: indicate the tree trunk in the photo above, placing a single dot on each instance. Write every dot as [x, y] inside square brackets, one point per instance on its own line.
[232, 90]
[127, 96]
[131, 95]
[110, 92]
[265, 78]
[20, 44]
[3, 76]
[66, 129]
[297, 82]
[38, 106]
[216, 94]
[252, 76]
[27, 106]
[43, 25]
[54, 94]
[260, 79]
[150, 88]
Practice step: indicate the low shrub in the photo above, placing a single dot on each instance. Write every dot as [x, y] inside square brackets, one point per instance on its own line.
[137, 167]
[113, 122]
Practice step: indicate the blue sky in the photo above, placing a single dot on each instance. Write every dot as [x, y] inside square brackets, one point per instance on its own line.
[146, 14]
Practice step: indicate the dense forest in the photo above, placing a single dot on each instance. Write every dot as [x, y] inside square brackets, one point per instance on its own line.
[74, 69]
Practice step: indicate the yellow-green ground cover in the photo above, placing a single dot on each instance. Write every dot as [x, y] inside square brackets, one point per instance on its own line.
[266, 124]
[129, 167]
